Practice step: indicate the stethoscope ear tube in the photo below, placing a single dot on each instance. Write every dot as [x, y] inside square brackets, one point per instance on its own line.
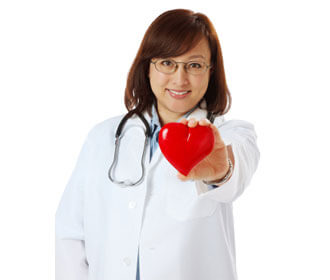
[128, 183]
[126, 117]
[210, 117]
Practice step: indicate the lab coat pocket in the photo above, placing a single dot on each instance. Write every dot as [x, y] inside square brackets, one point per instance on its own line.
[188, 205]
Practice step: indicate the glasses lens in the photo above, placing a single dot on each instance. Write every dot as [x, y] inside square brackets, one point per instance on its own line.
[196, 67]
[165, 66]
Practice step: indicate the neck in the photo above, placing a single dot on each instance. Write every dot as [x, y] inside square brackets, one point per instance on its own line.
[164, 120]
[167, 118]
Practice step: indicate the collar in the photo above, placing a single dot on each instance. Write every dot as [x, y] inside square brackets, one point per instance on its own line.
[155, 116]
[197, 113]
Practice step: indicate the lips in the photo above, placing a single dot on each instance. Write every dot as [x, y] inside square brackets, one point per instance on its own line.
[178, 91]
[178, 94]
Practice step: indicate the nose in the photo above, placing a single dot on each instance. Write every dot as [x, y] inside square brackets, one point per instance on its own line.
[180, 76]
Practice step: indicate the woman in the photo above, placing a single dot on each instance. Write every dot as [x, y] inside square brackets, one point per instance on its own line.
[166, 226]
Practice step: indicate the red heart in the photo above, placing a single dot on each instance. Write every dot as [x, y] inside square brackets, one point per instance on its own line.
[184, 146]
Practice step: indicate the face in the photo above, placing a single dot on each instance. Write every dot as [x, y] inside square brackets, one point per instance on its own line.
[169, 89]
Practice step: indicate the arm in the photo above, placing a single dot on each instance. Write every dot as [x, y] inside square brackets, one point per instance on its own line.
[240, 136]
[232, 159]
[70, 258]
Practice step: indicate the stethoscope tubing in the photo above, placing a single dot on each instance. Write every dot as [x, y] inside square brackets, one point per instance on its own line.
[128, 183]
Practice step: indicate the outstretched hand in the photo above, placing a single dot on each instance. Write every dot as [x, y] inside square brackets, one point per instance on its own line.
[215, 165]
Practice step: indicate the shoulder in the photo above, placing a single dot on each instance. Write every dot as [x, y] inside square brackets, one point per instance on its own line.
[104, 127]
[108, 127]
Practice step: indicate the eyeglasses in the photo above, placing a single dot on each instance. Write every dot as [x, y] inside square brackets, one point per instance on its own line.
[169, 66]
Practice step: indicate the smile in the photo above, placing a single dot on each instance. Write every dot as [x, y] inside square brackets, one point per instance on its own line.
[178, 94]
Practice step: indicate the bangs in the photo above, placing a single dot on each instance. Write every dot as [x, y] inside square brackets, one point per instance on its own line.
[175, 37]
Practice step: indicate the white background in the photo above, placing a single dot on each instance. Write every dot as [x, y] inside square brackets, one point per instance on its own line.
[63, 68]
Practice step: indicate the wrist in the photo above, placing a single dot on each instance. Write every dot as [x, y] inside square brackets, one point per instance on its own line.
[224, 179]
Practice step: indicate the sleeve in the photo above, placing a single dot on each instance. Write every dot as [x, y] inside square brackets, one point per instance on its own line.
[70, 257]
[242, 137]
[211, 187]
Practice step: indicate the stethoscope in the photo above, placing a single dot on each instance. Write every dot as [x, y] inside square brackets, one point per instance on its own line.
[128, 183]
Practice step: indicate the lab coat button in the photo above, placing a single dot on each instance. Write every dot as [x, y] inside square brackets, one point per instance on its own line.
[132, 204]
[127, 261]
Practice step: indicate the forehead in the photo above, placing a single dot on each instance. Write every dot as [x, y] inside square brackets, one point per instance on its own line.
[200, 51]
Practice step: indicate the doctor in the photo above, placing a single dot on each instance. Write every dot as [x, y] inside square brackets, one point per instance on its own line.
[167, 227]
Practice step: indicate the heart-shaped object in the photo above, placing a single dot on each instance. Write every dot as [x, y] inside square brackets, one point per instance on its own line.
[184, 146]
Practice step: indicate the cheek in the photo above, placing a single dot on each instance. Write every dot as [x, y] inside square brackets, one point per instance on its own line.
[158, 80]
[202, 84]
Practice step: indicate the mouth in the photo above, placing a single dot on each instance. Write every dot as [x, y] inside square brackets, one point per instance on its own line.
[178, 93]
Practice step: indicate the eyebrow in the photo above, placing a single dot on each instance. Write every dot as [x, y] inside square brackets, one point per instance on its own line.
[196, 56]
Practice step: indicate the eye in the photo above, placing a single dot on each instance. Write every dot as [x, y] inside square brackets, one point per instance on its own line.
[195, 65]
[168, 63]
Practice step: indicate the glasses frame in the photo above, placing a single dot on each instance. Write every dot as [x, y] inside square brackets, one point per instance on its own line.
[176, 66]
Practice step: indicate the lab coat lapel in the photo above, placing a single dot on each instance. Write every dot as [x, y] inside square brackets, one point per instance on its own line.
[157, 155]
[136, 142]
[131, 149]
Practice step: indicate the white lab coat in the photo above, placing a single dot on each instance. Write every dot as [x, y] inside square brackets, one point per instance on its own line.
[183, 230]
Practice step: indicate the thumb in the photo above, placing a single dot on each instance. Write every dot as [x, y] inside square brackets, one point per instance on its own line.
[182, 177]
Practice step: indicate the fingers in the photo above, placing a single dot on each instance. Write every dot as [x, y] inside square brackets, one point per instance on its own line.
[193, 122]
[184, 121]
[205, 122]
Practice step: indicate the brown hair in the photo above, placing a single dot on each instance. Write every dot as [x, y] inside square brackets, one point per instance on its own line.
[172, 34]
